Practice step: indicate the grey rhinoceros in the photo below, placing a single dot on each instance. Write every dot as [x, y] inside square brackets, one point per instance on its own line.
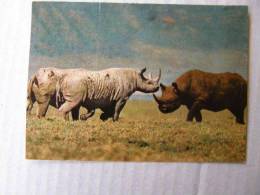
[42, 89]
[107, 89]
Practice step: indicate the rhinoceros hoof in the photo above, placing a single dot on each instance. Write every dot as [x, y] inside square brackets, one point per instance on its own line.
[240, 121]
[83, 117]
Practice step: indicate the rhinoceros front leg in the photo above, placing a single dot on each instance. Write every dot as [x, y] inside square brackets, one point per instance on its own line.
[107, 113]
[30, 103]
[104, 116]
[75, 113]
[198, 116]
[42, 109]
[89, 114]
[118, 108]
[195, 111]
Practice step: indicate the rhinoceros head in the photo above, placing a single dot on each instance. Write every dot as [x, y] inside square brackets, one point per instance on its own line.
[46, 80]
[44, 75]
[148, 84]
[170, 99]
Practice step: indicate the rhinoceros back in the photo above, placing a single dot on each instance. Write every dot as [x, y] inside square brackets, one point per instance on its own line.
[218, 90]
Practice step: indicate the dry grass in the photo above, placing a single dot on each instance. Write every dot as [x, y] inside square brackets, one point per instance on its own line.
[141, 134]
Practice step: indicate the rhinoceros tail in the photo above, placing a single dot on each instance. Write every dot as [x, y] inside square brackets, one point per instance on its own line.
[30, 93]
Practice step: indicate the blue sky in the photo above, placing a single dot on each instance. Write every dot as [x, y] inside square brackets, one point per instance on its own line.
[175, 38]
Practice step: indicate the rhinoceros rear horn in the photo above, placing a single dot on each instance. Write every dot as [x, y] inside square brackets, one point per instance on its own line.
[150, 76]
[157, 79]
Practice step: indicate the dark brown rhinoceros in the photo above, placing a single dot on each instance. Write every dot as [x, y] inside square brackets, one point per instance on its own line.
[203, 90]
[107, 89]
[42, 89]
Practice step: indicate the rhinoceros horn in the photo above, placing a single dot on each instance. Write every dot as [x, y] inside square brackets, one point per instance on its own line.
[157, 79]
[156, 99]
[142, 73]
[150, 76]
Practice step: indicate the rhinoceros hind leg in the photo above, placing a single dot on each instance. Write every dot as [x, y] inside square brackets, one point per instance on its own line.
[240, 117]
[240, 120]
[66, 117]
[239, 114]
[87, 115]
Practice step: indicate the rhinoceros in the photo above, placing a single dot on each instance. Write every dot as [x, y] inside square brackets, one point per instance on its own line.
[42, 89]
[203, 90]
[107, 89]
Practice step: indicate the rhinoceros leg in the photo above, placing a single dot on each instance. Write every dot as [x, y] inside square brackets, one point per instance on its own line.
[42, 109]
[195, 111]
[75, 113]
[107, 113]
[239, 114]
[89, 114]
[198, 117]
[118, 108]
[104, 116]
[30, 105]
[66, 108]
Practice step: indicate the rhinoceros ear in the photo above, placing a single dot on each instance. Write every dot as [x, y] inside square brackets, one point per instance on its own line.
[175, 88]
[51, 74]
[35, 80]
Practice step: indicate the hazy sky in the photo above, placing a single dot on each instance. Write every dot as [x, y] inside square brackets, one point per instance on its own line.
[175, 38]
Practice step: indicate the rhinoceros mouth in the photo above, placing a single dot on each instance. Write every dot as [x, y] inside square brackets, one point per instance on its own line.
[165, 110]
[168, 108]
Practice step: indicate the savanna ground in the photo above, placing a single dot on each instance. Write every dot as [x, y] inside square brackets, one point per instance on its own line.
[141, 134]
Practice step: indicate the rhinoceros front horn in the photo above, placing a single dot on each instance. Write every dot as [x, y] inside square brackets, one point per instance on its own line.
[143, 70]
[142, 73]
[156, 98]
[157, 79]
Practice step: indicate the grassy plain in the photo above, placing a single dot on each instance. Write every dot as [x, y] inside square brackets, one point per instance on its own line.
[141, 134]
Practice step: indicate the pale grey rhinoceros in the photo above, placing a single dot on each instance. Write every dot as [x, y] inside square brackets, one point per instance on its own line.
[107, 89]
[42, 89]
